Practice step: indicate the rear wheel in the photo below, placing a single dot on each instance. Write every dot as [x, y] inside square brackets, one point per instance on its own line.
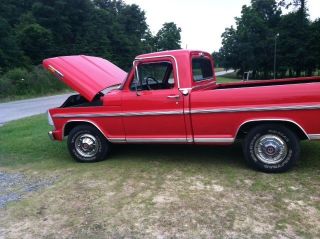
[87, 144]
[271, 148]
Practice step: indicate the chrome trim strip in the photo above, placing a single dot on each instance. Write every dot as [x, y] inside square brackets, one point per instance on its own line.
[156, 140]
[117, 140]
[190, 140]
[264, 86]
[180, 112]
[155, 57]
[97, 115]
[314, 136]
[274, 119]
[213, 140]
[86, 121]
[256, 109]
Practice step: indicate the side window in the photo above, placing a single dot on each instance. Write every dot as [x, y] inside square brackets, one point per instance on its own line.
[201, 69]
[153, 76]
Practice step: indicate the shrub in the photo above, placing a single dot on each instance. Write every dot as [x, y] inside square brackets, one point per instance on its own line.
[21, 82]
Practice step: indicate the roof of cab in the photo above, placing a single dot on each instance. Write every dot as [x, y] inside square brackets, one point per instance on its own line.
[164, 53]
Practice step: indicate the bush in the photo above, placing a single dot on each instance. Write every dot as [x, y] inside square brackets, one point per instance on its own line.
[21, 82]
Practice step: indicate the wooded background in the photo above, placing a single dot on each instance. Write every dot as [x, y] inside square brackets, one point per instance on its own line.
[32, 30]
[250, 45]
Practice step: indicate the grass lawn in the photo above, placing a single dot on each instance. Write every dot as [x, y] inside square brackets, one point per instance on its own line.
[218, 69]
[155, 191]
[228, 78]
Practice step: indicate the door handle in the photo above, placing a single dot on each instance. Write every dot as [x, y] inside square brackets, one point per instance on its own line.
[173, 96]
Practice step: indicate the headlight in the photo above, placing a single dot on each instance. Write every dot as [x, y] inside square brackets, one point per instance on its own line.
[50, 121]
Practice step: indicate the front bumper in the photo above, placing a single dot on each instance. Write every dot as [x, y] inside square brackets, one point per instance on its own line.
[51, 135]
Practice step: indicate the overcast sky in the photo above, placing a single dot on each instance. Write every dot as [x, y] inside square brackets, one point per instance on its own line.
[202, 21]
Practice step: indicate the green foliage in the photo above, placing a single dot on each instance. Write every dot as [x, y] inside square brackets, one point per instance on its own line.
[20, 81]
[251, 44]
[168, 37]
[32, 30]
[36, 42]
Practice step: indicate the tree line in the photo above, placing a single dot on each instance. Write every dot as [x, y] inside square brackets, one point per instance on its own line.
[31, 30]
[264, 39]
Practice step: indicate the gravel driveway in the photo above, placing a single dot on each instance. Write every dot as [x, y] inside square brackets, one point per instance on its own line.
[15, 186]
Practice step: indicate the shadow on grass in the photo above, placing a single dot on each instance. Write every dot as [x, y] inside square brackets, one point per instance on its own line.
[179, 153]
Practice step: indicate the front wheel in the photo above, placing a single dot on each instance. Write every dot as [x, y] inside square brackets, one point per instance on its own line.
[271, 148]
[87, 144]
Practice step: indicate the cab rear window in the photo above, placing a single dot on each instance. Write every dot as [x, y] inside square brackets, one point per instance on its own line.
[201, 69]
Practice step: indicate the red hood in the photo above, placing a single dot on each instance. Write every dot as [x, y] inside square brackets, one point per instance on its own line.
[87, 75]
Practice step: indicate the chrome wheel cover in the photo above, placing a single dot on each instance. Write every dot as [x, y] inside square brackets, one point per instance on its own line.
[87, 145]
[270, 149]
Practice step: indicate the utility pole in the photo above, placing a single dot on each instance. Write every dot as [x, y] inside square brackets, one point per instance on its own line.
[275, 55]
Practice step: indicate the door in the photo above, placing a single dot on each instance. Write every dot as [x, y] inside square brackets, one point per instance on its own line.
[153, 105]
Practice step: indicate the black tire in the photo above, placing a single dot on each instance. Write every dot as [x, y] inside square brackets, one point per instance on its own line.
[278, 151]
[90, 139]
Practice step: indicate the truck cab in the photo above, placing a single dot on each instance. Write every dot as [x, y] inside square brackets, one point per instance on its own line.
[173, 97]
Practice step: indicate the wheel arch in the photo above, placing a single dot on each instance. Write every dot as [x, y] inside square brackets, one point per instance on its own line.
[290, 124]
[71, 124]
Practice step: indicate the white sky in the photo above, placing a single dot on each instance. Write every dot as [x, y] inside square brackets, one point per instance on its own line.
[202, 21]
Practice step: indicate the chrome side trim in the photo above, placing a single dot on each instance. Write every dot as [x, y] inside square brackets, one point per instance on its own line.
[98, 115]
[251, 86]
[277, 120]
[314, 136]
[117, 140]
[86, 121]
[156, 140]
[171, 56]
[256, 109]
[213, 140]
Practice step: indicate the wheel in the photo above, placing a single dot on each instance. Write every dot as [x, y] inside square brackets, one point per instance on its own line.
[271, 148]
[87, 144]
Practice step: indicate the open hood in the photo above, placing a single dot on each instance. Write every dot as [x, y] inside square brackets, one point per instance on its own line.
[87, 75]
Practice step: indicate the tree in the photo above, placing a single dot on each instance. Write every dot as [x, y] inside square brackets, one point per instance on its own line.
[248, 47]
[10, 53]
[251, 44]
[36, 42]
[168, 37]
[31, 30]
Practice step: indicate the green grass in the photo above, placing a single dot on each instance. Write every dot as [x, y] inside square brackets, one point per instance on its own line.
[228, 78]
[155, 190]
[218, 69]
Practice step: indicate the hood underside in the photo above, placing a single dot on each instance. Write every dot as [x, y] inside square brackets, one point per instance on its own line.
[87, 75]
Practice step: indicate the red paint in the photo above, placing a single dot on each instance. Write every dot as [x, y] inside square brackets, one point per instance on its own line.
[85, 74]
[150, 114]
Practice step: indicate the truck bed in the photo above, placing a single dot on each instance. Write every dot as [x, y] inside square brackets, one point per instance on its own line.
[255, 83]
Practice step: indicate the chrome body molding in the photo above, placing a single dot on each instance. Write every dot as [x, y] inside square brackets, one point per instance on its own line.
[314, 136]
[256, 109]
[99, 115]
[86, 121]
[156, 140]
[276, 120]
[117, 140]
[199, 111]
[214, 140]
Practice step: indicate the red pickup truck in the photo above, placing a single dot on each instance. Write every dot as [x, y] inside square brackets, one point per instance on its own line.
[173, 97]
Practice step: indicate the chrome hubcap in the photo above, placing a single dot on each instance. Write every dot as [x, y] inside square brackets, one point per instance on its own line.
[270, 149]
[86, 145]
